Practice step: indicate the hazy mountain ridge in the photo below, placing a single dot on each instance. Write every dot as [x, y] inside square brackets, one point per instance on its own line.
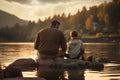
[9, 19]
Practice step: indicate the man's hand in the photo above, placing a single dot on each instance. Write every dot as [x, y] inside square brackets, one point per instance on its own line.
[60, 54]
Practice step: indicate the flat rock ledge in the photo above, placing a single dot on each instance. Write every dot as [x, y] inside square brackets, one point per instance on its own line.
[58, 62]
[24, 78]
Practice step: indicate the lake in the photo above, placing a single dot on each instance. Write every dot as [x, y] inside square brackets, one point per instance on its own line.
[9, 52]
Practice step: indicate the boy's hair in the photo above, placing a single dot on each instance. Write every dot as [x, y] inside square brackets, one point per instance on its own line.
[74, 34]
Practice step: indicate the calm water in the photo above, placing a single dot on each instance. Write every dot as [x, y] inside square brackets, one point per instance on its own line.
[9, 52]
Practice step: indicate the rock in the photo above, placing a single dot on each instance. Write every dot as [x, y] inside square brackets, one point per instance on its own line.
[90, 58]
[45, 62]
[94, 65]
[71, 63]
[74, 63]
[28, 63]
[62, 63]
[24, 62]
[104, 60]
[82, 63]
[12, 72]
[1, 73]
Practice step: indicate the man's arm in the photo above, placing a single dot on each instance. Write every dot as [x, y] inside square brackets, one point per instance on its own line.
[37, 41]
[63, 45]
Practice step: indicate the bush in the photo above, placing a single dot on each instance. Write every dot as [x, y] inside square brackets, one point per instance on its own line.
[99, 35]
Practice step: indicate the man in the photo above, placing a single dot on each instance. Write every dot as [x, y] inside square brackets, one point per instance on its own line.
[49, 41]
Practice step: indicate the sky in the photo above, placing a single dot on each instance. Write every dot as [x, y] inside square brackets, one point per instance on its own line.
[41, 9]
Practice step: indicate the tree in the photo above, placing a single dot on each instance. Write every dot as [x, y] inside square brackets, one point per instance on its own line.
[89, 22]
[94, 11]
[39, 21]
[113, 12]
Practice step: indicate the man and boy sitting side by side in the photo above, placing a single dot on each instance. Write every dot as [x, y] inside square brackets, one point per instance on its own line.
[49, 41]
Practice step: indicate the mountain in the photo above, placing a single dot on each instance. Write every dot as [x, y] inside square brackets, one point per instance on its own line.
[9, 19]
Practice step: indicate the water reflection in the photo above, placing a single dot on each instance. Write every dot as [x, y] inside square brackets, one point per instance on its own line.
[60, 74]
[76, 75]
[64, 76]
[49, 73]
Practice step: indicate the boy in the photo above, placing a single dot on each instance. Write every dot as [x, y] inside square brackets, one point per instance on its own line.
[75, 47]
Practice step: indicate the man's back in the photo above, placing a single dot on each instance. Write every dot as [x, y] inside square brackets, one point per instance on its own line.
[50, 40]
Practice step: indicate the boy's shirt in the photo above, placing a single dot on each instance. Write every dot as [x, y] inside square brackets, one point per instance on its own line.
[74, 47]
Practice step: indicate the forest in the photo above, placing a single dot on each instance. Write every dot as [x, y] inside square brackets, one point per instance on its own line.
[102, 21]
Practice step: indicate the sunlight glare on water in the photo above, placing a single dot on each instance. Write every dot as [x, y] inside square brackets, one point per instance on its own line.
[29, 74]
[10, 52]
